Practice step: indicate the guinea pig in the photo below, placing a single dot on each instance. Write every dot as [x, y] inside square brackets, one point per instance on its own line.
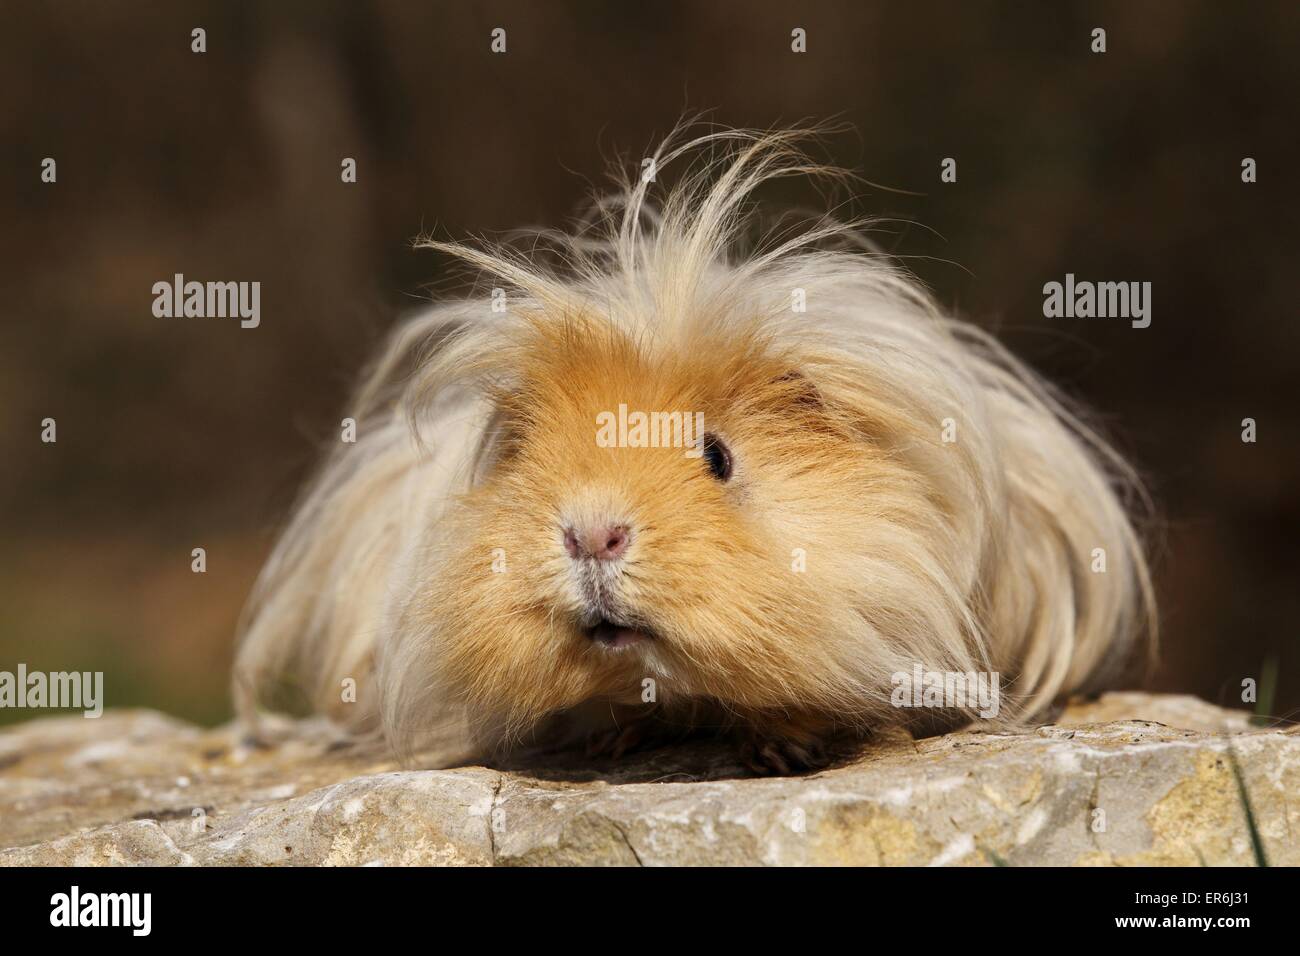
[690, 488]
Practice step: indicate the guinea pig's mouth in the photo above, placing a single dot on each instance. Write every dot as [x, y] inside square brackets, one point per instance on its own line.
[616, 636]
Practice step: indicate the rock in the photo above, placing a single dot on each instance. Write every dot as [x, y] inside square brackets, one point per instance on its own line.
[1129, 779]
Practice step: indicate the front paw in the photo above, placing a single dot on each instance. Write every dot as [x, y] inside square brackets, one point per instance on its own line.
[641, 732]
[770, 752]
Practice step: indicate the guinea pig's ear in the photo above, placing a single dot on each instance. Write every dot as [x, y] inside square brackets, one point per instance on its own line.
[798, 390]
[500, 443]
[803, 403]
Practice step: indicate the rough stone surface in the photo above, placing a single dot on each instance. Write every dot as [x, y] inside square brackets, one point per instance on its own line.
[1129, 779]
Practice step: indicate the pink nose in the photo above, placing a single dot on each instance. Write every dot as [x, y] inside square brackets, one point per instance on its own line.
[601, 542]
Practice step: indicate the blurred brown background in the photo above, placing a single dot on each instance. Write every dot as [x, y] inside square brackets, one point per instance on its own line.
[181, 433]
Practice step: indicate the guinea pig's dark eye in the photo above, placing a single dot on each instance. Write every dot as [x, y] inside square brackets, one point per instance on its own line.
[718, 457]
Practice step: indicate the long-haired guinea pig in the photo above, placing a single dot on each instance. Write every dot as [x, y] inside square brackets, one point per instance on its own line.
[756, 495]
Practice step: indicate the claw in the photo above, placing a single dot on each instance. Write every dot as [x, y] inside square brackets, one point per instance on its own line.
[616, 742]
[782, 755]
